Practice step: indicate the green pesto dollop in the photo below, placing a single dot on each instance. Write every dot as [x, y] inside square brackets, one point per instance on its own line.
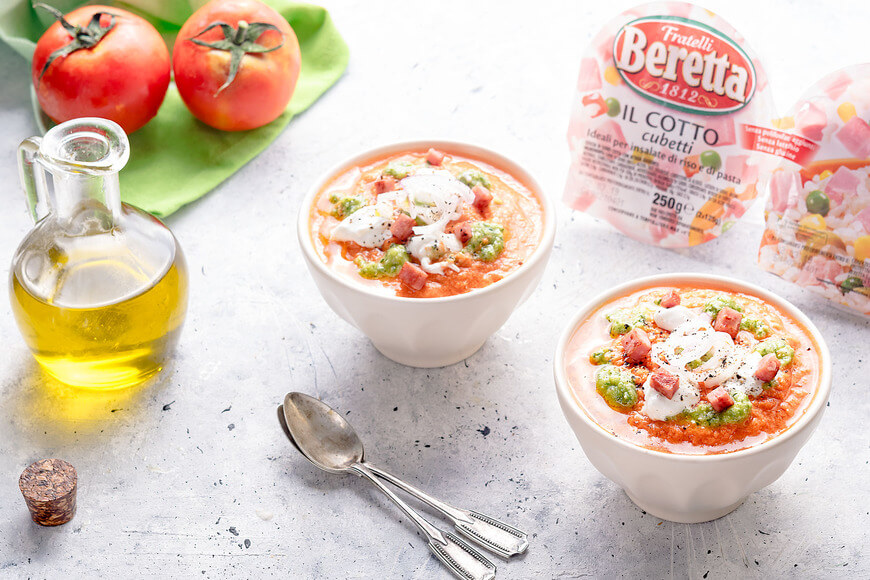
[472, 178]
[622, 320]
[601, 356]
[487, 241]
[344, 206]
[714, 305]
[616, 386]
[387, 267]
[756, 326]
[704, 415]
[399, 169]
[778, 346]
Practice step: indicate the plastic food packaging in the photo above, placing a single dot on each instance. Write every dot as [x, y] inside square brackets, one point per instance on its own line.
[817, 231]
[668, 107]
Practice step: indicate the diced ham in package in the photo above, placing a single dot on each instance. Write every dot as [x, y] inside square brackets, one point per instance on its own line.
[818, 215]
[668, 101]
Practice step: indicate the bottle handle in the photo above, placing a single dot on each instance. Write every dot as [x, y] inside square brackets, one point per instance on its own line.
[32, 177]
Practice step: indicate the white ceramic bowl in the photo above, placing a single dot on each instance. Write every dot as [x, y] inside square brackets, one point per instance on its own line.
[428, 332]
[690, 488]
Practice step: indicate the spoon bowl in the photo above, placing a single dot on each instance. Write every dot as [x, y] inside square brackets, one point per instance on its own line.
[321, 434]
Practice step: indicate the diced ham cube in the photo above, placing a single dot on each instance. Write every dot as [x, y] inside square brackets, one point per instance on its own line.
[810, 120]
[855, 136]
[462, 232]
[403, 227]
[843, 182]
[670, 299]
[736, 165]
[434, 157]
[724, 127]
[665, 383]
[636, 345]
[413, 276]
[728, 320]
[590, 76]
[385, 184]
[785, 187]
[482, 198]
[720, 399]
[768, 366]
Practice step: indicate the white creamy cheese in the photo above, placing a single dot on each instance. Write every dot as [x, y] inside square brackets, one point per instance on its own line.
[729, 364]
[429, 244]
[435, 195]
[658, 407]
[369, 226]
[670, 318]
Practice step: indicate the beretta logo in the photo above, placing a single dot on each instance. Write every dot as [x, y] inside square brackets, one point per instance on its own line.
[684, 64]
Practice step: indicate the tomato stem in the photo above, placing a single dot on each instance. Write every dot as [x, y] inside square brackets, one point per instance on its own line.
[238, 42]
[86, 37]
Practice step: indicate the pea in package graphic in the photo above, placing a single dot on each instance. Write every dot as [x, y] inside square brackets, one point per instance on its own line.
[667, 133]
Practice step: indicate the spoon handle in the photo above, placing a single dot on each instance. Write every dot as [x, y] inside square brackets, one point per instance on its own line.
[461, 559]
[494, 535]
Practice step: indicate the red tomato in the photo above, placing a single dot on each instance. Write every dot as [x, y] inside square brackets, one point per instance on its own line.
[264, 81]
[123, 77]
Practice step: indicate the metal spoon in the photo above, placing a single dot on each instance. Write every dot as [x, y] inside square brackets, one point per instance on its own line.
[494, 535]
[330, 443]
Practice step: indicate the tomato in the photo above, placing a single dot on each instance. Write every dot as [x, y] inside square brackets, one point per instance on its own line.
[267, 64]
[120, 70]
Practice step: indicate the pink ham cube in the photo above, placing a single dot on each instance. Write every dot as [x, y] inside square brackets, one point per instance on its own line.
[810, 120]
[385, 184]
[590, 76]
[463, 232]
[434, 157]
[785, 187]
[728, 320]
[864, 217]
[665, 383]
[482, 198]
[855, 136]
[670, 299]
[720, 399]
[636, 345]
[403, 227]
[843, 182]
[413, 276]
[768, 366]
[724, 127]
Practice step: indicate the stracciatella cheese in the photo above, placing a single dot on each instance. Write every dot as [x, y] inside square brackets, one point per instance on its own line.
[668, 98]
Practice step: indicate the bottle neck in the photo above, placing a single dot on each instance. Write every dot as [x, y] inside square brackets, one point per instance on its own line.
[84, 203]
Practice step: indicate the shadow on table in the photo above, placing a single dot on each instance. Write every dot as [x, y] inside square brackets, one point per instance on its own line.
[53, 412]
[615, 532]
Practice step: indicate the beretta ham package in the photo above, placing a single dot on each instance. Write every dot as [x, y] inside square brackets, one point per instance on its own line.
[818, 214]
[663, 133]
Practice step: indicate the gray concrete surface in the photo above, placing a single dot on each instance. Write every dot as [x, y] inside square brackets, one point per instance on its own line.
[208, 486]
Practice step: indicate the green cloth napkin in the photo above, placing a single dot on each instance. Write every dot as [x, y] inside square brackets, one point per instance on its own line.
[175, 159]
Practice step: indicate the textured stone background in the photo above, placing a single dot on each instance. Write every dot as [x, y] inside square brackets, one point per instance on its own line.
[210, 488]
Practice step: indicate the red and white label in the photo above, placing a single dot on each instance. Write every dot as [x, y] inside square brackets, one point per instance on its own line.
[684, 64]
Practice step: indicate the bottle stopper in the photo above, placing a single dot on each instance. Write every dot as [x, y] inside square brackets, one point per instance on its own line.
[49, 487]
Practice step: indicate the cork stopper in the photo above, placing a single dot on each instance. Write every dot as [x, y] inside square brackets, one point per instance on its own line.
[49, 487]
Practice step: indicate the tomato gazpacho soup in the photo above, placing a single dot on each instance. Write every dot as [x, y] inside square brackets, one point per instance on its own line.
[425, 224]
[692, 370]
